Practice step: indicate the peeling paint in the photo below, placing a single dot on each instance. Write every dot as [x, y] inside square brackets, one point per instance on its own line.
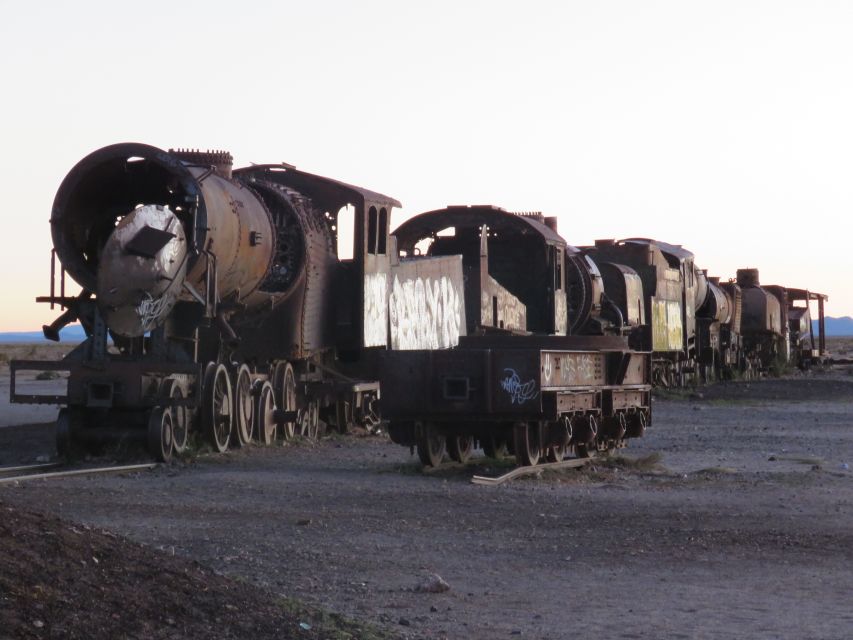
[511, 312]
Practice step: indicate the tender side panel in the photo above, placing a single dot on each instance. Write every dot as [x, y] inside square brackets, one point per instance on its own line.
[561, 369]
[507, 384]
[426, 305]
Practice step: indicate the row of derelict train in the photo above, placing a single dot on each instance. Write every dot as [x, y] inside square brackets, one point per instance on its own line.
[215, 301]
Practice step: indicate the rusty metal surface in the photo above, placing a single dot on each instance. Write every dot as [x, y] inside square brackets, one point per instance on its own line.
[493, 243]
[509, 383]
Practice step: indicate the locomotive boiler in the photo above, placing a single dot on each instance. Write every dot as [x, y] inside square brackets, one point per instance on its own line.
[211, 298]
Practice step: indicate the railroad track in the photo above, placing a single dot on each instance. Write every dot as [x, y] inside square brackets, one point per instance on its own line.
[39, 471]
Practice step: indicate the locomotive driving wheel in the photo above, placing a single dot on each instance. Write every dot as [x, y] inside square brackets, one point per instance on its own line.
[180, 415]
[265, 413]
[160, 440]
[526, 441]
[217, 405]
[67, 424]
[431, 446]
[243, 405]
[308, 420]
[459, 448]
[556, 453]
[284, 385]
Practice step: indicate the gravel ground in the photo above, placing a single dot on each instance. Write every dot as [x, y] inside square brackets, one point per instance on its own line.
[732, 518]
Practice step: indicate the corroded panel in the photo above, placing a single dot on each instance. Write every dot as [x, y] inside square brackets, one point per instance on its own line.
[571, 368]
[499, 308]
[667, 328]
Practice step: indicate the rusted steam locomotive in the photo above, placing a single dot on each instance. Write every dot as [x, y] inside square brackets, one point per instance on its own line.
[697, 328]
[215, 300]
[212, 299]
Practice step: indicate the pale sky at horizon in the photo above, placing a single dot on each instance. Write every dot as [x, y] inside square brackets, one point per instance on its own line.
[697, 123]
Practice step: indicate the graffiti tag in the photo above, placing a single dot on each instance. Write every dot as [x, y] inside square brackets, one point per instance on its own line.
[519, 392]
[150, 311]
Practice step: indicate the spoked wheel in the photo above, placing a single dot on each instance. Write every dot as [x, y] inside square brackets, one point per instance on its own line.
[265, 425]
[67, 423]
[243, 405]
[431, 446]
[589, 432]
[160, 441]
[556, 452]
[494, 447]
[217, 404]
[284, 385]
[343, 416]
[308, 421]
[180, 416]
[459, 448]
[526, 443]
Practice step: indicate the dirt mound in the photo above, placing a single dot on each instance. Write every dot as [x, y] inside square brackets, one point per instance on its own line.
[59, 580]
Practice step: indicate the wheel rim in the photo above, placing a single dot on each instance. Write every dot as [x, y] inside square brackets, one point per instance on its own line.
[431, 447]
[218, 406]
[180, 420]
[64, 433]
[288, 399]
[160, 437]
[308, 421]
[243, 405]
[526, 444]
[556, 452]
[459, 447]
[265, 414]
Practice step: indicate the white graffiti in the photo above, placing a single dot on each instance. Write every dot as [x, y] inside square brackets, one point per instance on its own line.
[580, 369]
[519, 392]
[425, 313]
[375, 310]
[561, 314]
[150, 311]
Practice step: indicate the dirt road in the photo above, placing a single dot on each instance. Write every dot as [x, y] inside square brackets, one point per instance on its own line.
[743, 528]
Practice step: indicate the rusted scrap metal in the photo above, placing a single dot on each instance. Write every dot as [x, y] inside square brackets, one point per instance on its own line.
[518, 472]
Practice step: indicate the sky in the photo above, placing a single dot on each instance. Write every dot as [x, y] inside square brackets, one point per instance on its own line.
[726, 127]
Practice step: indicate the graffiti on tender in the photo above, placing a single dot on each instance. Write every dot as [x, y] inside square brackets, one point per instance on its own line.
[572, 369]
[425, 313]
[561, 314]
[375, 310]
[519, 392]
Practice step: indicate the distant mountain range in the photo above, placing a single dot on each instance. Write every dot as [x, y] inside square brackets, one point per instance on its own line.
[836, 326]
[74, 333]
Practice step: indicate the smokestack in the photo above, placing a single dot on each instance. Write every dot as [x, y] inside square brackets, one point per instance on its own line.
[748, 278]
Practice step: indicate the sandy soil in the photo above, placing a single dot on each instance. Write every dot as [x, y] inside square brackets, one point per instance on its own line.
[732, 518]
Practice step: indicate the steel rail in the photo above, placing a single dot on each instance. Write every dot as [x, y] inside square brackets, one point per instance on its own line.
[79, 472]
